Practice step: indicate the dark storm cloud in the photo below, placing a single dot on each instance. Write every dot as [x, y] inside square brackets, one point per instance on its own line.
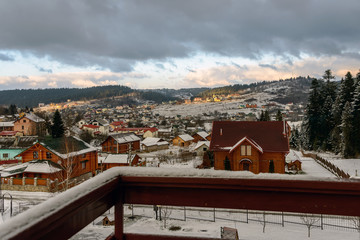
[117, 34]
[4, 57]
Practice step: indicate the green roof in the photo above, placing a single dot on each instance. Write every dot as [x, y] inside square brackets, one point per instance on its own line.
[59, 144]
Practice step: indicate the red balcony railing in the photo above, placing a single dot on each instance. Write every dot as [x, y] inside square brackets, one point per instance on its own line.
[66, 214]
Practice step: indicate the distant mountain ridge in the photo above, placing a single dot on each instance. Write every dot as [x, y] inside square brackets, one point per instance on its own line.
[289, 90]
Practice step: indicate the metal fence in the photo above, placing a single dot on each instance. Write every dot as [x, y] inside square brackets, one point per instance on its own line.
[246, 216]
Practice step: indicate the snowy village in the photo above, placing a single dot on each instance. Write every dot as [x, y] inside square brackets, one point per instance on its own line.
[179, 120]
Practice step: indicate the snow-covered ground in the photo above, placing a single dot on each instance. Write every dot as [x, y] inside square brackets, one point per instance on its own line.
[229, 106]
[191, 227]
[309, 166]
[350, 166]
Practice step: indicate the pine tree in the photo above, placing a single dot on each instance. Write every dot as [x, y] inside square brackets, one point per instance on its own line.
[279, 116]
[313, 114]
[346, 131]
[326, 124]
[295, 139]
[261, 116]
[227, 165]
[57, 128]
[266, 116]
[356, 119]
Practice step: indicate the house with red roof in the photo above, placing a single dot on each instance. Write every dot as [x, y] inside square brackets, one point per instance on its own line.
[250, 145]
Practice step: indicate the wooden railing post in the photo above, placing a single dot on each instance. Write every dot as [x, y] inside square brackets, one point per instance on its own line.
[119, 216]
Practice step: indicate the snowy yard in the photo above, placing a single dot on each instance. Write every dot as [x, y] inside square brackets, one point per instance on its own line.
[192, 227]
[350, 166]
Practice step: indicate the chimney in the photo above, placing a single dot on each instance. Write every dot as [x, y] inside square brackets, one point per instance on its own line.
[284, 128]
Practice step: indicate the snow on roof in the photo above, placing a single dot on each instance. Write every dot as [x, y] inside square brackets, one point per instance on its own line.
[150, 141]
[186, 137]
[125, 137]
[201, 143]
[252, 142]
[202, 134]
[6, 124]
[34, 117]
[79, 147]
[36, 166]
[42, 166]
[118, 158]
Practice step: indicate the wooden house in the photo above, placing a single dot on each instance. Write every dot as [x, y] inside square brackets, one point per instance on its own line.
[200, 136]
[251, 146]
[154, 144]
[201, 147]
[141, 132]
[183, 140]
[121, 143]
[75, 156]
[30, 124]
[118, 160]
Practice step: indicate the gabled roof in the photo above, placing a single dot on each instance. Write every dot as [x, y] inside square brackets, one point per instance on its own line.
[202, 134]
[17, 142]
[186, 137]
[119, 158]
[202, 143]
[267, 135]
[32, 117]
[124, 137]
[75, 146]
[35, 166]
[249, 140]
[150, 141]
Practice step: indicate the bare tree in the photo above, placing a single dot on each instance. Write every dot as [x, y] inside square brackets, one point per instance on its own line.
[310, 220]
[165, 212]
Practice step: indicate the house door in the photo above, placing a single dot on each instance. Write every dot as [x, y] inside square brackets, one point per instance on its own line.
[246, 166]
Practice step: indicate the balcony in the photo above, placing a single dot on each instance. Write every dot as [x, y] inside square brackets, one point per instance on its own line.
[64, 215]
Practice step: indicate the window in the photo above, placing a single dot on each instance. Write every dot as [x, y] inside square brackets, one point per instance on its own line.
[248, 150]
[84, 155]
[83, 165]
[48, 155]
[5, 155]
[24, 121]
[35, 155]
[22, 127]
[204, 149]
[245, 150]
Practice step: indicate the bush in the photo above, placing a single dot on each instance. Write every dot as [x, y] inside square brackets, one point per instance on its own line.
[174, 228]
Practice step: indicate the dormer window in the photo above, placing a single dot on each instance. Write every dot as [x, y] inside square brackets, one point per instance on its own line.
[245, 150]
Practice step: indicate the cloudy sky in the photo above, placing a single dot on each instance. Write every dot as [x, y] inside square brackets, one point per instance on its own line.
[174, 43]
